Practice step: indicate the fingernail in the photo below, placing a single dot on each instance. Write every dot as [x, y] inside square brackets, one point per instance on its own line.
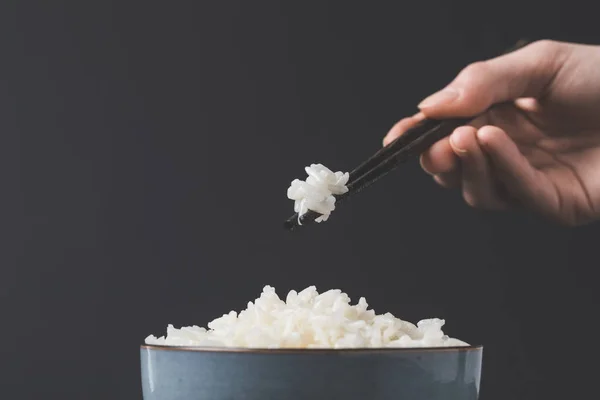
[421, 161]
[458, 142]
[484, 136]
[444, 96]
[388, 139]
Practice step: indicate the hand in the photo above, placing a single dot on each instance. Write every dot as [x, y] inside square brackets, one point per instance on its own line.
[538, 146]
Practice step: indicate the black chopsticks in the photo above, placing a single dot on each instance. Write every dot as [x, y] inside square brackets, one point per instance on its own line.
[412, 143]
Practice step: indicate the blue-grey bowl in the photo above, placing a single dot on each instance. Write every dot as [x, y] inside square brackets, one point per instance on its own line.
[188, 373]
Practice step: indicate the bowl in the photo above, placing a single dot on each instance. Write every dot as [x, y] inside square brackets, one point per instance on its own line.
[191, 373]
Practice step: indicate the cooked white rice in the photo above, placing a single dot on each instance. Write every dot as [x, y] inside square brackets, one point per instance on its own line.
[316, 193]
[309, 320]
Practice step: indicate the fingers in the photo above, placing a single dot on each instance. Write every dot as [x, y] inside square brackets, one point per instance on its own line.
[439, 159]
[514, 171]
[487, 165]
[479, 186]
[459, 161]
[527, 72]
[484, 162]
[441, 162]
[402, 126]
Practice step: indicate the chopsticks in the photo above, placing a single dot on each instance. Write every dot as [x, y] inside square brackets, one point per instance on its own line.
[412, 143]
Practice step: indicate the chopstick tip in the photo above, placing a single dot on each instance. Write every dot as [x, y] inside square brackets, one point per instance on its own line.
[289, 225]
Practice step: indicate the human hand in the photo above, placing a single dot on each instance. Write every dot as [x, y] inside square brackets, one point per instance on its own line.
[538, 146]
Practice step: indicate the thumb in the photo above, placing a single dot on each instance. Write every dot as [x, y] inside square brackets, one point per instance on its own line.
[527, 72]
[523, 182]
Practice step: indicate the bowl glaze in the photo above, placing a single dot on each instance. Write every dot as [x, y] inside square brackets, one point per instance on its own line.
[188, 373]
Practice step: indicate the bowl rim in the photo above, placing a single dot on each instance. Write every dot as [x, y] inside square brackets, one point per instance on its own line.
[247, 350]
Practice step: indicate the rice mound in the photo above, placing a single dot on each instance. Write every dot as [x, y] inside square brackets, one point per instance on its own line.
[309, 320]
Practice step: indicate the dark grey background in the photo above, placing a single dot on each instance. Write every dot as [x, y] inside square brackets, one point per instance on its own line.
[145, 153]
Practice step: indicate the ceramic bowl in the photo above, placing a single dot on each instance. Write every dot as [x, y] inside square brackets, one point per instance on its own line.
[189, 373]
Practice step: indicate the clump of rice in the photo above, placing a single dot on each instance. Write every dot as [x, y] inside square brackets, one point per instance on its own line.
[309, 320]
[316, 193]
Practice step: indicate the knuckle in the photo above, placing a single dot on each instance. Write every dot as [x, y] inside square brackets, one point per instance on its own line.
[546, 46]
[473, 72]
